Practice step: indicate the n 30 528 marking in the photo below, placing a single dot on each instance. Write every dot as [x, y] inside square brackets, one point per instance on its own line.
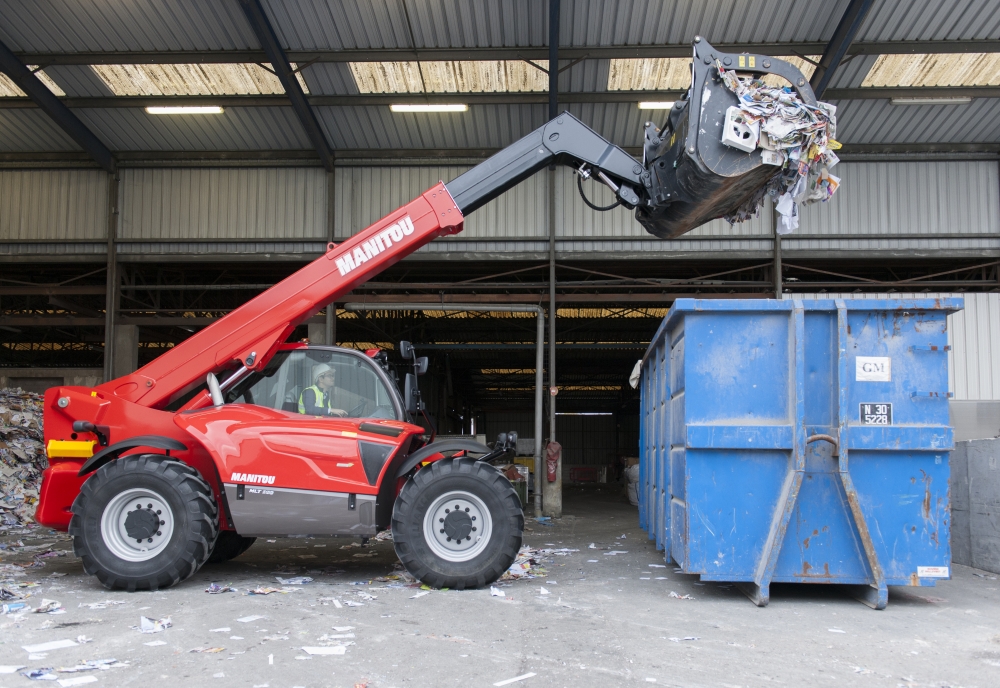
[879, 413]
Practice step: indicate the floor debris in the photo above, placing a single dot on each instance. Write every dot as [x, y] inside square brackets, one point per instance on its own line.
[216, 589]
[148, 625]
[515, 679]
[679, 597]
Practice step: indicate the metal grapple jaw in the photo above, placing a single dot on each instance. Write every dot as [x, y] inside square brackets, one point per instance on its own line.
[693, 177]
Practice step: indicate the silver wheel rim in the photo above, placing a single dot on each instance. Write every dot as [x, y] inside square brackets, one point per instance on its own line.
[453, 514]
[136, 510]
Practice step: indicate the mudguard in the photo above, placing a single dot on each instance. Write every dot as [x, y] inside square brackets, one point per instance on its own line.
[433, 448]
[109, 454]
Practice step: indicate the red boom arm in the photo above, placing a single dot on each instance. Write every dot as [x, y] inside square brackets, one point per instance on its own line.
[252, 333]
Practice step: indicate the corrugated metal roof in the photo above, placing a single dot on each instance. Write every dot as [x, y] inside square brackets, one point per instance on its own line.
[191, 79]
[8, 89]
[330, 78]
[79, 81]
[32, 130]
[466, 76]
[483, 126]
[969, 69]
[878, 121]
[323, 25]
[931, 20]
[270, 128]
[76, 26]
[650, 22]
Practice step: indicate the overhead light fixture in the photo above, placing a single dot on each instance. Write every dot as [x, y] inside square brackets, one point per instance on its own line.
[656, 105]
[931, 101]
[185, 109]
[425, 107]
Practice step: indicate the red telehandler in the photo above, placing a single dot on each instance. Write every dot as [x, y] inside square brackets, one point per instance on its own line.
[234, 434]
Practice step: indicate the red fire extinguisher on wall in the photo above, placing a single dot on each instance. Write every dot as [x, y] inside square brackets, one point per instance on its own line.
[553, 453]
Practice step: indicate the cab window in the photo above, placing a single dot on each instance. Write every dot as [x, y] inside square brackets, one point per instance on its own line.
[348, 385]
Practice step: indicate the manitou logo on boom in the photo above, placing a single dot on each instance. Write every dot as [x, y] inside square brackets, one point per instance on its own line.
[253, 478]
[393, 234]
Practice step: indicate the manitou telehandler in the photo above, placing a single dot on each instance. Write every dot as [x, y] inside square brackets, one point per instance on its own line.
[234, 433]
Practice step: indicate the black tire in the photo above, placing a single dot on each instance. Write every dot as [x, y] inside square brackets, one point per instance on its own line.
[229, 545]
[424, 491]
[185, 499]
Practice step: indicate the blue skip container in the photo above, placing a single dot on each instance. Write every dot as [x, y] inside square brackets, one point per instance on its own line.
[799, 442]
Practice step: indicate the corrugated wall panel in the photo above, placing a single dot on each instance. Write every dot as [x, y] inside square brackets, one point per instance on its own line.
[365, 194]
[974, 334]
[885, 198]
[273, 203]
[53, 204]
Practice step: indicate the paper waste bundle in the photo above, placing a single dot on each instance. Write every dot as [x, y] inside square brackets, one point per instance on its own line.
[22, 455]
[792, 135]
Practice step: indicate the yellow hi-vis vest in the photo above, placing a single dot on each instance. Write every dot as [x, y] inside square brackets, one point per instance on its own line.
[319, 398]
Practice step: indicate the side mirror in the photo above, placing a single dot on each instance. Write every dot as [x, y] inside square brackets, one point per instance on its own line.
[410, 393]
[406, 350]
[421, 365]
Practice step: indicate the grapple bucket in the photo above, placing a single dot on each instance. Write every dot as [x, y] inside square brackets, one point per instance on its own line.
[693, 176]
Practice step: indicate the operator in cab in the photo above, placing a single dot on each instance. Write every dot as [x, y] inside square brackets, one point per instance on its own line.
[317, 400]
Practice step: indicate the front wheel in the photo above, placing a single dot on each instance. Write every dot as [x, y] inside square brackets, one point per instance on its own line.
[457, 524]
[144, 522]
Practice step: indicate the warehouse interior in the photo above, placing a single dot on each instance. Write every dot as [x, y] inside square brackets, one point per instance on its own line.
[123, 232]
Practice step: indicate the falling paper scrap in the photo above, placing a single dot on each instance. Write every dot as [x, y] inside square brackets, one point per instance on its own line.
[688, 637]
[248, 619]
[615, 552]
[515, 679]
[419, 594]
[495, 591]
[796, 137]
[215, 589]
[298, 580]
[49, 646]
[147, 625]
[680, 597]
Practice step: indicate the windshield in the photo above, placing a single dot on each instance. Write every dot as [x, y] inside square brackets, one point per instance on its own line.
[316, 382]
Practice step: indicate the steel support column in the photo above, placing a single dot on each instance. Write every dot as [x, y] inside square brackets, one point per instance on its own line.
[112, 288]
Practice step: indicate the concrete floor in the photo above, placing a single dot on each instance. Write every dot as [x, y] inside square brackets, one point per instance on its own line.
[607, 622]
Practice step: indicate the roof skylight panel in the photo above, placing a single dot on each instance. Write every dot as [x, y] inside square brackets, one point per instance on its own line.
[191, 79]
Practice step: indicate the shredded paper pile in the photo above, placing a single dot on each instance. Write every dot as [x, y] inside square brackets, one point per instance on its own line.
[22, 455]
[793, 135]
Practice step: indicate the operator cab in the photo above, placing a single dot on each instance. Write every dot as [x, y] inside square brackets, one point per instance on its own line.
[355, 385]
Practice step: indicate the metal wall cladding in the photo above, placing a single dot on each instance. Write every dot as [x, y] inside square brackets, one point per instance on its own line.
[276, 203]
[886, 198]
[772, 431]
[930, 20]
[62, 205]
[366, 194]
[879, 121]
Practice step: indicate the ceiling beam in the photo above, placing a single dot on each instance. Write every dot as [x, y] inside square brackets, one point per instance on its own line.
[836, 50]
[506, 98]
[282, 69]
[601, 52]
[40, 95]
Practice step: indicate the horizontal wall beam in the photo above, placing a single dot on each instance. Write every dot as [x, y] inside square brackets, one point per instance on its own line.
[567, 53]
[505, 98]
[373, 157]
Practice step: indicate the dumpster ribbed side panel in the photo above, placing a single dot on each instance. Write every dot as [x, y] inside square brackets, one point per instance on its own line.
[789, 422]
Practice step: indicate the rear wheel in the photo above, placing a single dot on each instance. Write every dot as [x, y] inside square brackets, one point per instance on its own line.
[229, 545]
[144, 523]
[457, 524]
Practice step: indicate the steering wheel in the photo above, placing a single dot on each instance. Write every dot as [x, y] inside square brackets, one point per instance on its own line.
[358, 410]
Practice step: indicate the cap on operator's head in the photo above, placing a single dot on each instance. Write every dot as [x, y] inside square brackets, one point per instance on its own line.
[319, 370]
